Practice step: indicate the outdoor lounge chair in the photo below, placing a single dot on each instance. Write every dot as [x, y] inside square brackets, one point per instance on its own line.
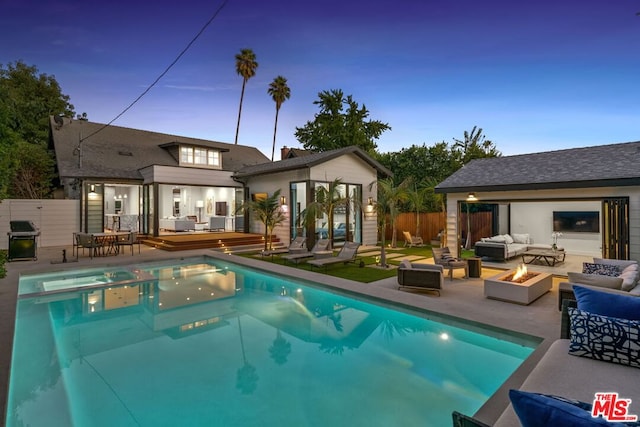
[420, 276]
[411, 241]
[443, 257]
[347, 254]
[320, 246]
[296, 245]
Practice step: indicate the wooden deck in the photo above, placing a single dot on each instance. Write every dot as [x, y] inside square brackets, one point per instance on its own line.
[220, 240]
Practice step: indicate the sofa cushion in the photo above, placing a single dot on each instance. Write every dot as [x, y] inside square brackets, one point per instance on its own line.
[607, 304]
[405, 264]
[595, 280]
[604, 338]
[521, 238]
[622, 263]
[497, 239]
[508, 239]
[541, 410]
[603, 269]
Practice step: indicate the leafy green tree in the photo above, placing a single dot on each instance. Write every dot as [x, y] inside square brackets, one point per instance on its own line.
[269, 213]
[327, 199]
[246, 65]
[341, 122]
[280, 92]
[33, 171]
[474, 145]
[27, 100]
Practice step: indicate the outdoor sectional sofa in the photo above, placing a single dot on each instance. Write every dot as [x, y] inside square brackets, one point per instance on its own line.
[574, 377]
[505, 246]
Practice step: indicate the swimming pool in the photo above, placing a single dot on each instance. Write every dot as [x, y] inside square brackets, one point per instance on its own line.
[204, 342]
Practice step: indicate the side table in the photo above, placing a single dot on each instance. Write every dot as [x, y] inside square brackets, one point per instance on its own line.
[475, 267]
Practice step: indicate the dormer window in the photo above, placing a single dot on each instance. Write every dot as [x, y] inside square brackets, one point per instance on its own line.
[199, 156]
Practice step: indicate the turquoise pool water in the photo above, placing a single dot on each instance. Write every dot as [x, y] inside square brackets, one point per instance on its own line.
[207, 343]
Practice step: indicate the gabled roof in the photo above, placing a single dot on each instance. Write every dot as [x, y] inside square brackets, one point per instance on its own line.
[309, 161]
[119, 153]
[598, 166]
[297, 152]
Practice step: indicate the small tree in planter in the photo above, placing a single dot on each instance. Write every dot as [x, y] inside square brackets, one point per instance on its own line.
[269, 213]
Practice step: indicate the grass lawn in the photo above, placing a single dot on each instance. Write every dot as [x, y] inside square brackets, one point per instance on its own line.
[366, 274]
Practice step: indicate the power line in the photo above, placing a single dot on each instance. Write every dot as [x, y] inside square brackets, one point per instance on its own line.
[162, 74]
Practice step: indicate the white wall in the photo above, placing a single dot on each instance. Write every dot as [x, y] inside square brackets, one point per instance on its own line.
[536, 218]
[56, 219]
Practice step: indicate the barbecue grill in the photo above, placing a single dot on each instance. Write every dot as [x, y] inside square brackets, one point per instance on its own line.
[22, 240]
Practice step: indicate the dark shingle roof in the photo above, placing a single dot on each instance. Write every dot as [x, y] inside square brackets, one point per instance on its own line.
[309, 161]
[118, 152]
[599, 166]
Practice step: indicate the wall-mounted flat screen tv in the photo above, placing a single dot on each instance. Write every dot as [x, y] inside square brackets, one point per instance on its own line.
[576, 221]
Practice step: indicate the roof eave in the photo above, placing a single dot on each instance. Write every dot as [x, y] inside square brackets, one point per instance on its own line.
[618, 182]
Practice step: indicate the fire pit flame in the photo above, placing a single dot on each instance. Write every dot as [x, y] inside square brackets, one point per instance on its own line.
[521, 271]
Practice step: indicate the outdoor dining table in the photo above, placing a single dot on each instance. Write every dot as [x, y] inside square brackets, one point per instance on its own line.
[108, 241]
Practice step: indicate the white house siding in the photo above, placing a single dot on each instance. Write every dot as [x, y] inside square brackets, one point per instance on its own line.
[269, 184]
[188, 176]
[353, 170]
[562, 199]
[56, 219]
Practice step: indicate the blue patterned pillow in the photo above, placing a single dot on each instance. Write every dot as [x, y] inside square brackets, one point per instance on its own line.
[604, 338]
[601, 269]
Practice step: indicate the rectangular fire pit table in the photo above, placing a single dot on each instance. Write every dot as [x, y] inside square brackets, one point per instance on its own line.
[525, 293]
[548, 256]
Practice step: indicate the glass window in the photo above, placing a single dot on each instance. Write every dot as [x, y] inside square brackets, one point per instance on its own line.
[186, 155]
[200, 156]
[214, 158]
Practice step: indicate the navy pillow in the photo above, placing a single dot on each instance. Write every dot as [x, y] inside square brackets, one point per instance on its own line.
[607, 303]
[541, 410]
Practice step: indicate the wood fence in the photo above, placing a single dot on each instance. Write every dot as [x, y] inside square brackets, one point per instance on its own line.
[430, 225]
[432, 222]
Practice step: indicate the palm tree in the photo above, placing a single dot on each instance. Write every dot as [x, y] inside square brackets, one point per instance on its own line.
[326, 200]
[246, 67]
[269, 213]
[389, 197]
[279, 92]
[417, 196]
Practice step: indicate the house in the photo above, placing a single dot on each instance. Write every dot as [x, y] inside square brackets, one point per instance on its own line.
[150, 182]
[591, 195]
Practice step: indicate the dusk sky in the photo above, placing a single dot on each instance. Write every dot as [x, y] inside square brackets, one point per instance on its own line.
[536, 75]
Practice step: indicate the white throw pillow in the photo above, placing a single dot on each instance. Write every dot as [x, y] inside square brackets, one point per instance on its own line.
[508, 239]
[629, 280]
[497, 239]
[521, 238]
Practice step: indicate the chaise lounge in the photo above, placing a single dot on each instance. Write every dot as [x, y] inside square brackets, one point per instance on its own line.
[320, 246]
[347, 254]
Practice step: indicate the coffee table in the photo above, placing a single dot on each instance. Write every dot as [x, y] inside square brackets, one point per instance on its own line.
[548, 256]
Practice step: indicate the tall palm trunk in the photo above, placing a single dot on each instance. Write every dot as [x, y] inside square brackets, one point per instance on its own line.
[275, 129]
[244, 82]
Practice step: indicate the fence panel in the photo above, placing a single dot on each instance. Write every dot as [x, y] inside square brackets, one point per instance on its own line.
[56, 219]
[430, 225]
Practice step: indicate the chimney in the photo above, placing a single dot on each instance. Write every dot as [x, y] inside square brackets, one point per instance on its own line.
[284, 152]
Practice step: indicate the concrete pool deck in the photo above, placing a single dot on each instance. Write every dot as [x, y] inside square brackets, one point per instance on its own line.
[460, 298]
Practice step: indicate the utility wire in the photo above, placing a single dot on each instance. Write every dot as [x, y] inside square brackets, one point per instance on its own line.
[162, 74]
